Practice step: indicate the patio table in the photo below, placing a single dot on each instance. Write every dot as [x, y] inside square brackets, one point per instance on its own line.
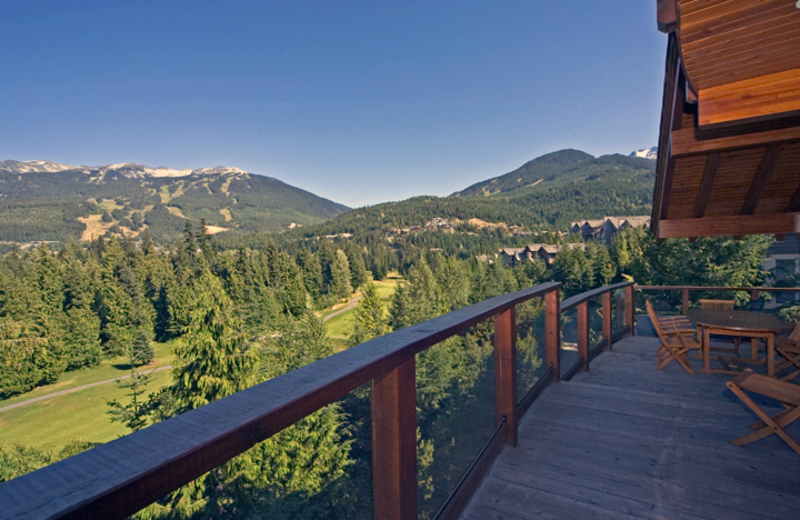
[726, 322]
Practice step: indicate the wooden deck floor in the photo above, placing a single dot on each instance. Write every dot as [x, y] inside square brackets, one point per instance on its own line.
[626, 441]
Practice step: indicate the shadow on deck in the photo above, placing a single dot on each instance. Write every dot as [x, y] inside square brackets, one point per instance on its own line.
[625, 441]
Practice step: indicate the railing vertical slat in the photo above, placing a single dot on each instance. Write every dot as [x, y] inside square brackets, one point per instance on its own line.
[630, 310]
[607, 319]
[552, 328]
[505, 371]
[394, 443]
[583, 333]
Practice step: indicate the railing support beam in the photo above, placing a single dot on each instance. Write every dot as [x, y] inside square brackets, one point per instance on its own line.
[583, 333]
[685, 301]
[394, 443]
[505, 371]
[607, 319]
[630, 308]
[552, 331]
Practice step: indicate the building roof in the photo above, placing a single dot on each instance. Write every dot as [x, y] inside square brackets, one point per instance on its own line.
[729, 145]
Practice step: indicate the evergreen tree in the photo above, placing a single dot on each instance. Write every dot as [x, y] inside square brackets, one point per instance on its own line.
[370, 319]
[340, 276]
[212, 359]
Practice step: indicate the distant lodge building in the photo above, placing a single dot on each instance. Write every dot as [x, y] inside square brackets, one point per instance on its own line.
[513, 256]
[606, 229]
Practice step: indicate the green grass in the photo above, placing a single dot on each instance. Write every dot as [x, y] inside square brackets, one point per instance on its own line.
[341, 326]
[108, 369]
[53, 422]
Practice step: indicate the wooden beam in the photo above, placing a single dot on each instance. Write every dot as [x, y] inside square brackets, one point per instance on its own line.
[630, 306]
[685, 142]
[671, 117]
[505, 372]
[712, 163]
[583, 333]
[729, 225]
[794, 203]
[394, 443]
[552, 332]
[667, 15]
[765, 168]
[607, 320]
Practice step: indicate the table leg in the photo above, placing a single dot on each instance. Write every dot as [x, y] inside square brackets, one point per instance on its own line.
[706, 350]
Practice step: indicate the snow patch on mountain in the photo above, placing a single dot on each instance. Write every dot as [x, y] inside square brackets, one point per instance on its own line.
[646, 153]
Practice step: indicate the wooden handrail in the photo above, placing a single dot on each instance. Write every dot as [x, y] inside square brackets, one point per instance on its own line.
[714, 288]
[117, 479]
[569, 303]
[755, 292]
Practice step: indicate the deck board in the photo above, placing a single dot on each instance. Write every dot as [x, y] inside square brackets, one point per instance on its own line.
[627, 441]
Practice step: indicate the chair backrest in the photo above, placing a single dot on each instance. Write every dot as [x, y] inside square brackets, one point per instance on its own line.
[654, 318]
[795, 335]
[717, 304]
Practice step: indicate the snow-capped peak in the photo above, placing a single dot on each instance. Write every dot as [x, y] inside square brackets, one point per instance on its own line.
[646, 153]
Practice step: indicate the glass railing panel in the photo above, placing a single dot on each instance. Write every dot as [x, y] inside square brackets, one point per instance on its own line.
[530, 345]
[568, 350]
[318, 467]
[455, 411]
[595, 313]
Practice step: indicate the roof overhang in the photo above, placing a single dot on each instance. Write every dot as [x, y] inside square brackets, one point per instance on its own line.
[729, 143]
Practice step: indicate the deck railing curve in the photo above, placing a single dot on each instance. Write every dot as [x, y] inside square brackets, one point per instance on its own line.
[116, 479]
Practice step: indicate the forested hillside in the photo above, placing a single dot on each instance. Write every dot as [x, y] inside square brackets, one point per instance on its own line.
[570, 185]
[85, 203]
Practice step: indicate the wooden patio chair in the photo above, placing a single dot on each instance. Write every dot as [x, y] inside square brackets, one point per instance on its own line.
[677, 338]
[726, 305]
[787, 393]
[789, 348]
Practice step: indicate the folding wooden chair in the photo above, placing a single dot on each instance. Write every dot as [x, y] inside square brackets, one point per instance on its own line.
[789, 348]
[787, 393]
[676, 338]
[725, 305]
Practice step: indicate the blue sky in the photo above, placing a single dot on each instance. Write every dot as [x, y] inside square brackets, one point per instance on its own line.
[358, 101]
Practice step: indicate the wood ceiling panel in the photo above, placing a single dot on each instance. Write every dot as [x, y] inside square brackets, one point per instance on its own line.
[732, 40]
[726, 16]
[783, 182]
[685, 185]
[747, 63]
[734, 176]
[750, 99]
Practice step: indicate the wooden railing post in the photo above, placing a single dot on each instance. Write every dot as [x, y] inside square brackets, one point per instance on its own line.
[583, 333]
[755, 295]
[505, 371]
[394, 443]
[552, 331]
[607, 319]
[630, 308]
[685, 301]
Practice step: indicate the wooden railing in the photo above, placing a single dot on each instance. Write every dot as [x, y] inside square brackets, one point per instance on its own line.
[755, 292]
[119, 478]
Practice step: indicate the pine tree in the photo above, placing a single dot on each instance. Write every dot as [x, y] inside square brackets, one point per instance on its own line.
[340, 276]
[212, 359]
[370, 319]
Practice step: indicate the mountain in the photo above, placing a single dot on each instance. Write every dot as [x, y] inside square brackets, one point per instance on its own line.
[543, 168]
[646, 153]
[546, 193]
[41, 200]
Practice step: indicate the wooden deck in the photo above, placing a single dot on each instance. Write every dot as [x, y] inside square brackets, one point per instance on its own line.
[626, 441]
